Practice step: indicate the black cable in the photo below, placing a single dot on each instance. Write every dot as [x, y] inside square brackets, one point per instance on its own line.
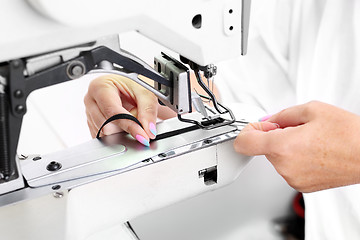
[118, 117]
[207, 90]
[175, 132]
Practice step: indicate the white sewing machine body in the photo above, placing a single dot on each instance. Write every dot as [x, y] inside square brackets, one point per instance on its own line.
[116, 179]
[38, 26]
[94, 193]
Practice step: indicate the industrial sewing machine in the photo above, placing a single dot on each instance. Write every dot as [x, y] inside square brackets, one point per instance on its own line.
[115, 178]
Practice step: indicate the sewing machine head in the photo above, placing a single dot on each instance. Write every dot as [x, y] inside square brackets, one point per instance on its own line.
[204, 31]
[65, 39]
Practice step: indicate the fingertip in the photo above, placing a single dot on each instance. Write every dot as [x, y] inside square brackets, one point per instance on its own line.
[268, 126]
[261, 126]
[143, 140]
[254, 138]
[149, 128]
[137, 132]
[241, 144]
[237, 143]
[263, 119]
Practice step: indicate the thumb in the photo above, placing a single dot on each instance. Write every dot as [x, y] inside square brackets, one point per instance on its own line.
[254, 139]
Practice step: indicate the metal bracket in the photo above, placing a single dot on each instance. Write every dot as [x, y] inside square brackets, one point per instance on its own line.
[19, 86]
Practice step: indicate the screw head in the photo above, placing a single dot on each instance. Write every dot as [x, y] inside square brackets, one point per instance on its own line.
[20, 109]
[162, 155]
[16, 63]
[23, 157]
[56, 187]
[146, 160]
[36, 158]
[58, 194]
[53, 166]
[18, 93]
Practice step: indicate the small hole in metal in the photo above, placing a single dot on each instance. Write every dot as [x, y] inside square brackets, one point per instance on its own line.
[56, 187]
[197, 21]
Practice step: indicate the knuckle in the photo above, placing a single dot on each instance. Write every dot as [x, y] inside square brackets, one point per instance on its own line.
[308, 109]
[147, 93]
[298, 185]
[150, 109]
[98, 84]
[86, 99]
[131, 127]
[310, 106]
[108, 111]
[292, 183]
[125, 127]
[94, 84]
[282, 113]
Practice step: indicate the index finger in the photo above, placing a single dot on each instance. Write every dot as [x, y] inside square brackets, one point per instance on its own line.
[110, 104]
[293, 116]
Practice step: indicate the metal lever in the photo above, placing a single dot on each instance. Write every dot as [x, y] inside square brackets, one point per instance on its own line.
[245, 21]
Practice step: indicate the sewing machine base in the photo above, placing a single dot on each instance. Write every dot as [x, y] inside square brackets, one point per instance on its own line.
[117, 179]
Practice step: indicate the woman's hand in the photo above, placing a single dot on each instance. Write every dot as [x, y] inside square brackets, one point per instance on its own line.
[314, 146]
[112, 94]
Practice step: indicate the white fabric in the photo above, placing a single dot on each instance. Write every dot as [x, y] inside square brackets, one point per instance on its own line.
[304, 50]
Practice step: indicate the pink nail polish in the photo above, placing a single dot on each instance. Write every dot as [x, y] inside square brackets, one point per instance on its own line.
[152, 128]
[265, 118]
[142, 140]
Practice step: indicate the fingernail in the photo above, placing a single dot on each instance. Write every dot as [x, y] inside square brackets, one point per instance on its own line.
[142, 140]
[152, 128]
[265, 118]
[277, 125]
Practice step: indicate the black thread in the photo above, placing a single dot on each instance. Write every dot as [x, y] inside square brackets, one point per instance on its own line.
[176, 132]
[118, 117]
[158, 137]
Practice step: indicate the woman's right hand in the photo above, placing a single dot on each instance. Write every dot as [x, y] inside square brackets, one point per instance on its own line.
[314, 146]
[113, 94]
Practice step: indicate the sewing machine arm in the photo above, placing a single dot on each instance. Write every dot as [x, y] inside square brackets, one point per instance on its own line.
[13, 103]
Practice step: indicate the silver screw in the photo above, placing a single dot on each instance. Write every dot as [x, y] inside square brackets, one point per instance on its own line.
[23, 157]
[58, 194]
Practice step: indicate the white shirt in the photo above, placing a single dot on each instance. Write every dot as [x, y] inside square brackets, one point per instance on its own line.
[299, 51]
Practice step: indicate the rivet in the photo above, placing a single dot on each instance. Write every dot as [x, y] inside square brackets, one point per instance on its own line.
[18, 93]
[58, 194]
[20, 109]
[162, 155]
